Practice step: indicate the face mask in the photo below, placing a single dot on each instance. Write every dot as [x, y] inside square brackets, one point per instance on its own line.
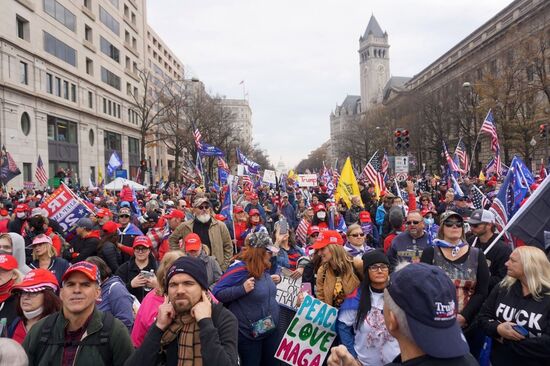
[33, 314]
[429, 221]
[203, 218]
[21, 215]
[321, 215]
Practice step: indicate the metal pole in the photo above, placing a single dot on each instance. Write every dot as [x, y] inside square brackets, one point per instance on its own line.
[546, 144]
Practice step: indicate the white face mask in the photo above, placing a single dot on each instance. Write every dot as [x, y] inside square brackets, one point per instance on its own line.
[203, 218]
[34, 313]
[429, 221]
[321, 215]
[21, 215]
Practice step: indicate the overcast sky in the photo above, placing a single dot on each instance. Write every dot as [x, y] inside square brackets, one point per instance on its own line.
[299, 58]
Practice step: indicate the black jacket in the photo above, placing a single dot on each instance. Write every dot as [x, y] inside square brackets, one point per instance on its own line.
[467, 360]
[497, 256]
[85, 247]
[510, 305]
[218, 337]
[110, 254]
[128, 270]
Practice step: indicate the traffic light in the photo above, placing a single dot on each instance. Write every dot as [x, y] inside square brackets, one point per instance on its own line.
[398, 140]
[405, 137]
[542, 131]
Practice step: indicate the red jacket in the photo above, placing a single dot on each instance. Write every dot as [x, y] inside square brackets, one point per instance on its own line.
[126, 194]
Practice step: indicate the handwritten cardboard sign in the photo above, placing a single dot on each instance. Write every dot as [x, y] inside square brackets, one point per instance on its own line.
[307, 180]
[288, 289]
[309, 336]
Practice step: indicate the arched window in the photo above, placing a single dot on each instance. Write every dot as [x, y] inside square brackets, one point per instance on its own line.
[25, 123]
[91, 137]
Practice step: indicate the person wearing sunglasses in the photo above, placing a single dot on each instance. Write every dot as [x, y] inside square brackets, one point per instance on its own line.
[127, 230]
[409, 245]
[360, 322]
[356, 244]
[467, 267]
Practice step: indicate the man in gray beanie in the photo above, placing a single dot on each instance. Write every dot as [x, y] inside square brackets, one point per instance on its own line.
[190, 329]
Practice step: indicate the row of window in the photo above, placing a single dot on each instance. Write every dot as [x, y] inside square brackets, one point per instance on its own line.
[61, 88]
[111, 108]
[132, 116]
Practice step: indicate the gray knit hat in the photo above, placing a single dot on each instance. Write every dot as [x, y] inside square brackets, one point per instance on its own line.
[261, 239]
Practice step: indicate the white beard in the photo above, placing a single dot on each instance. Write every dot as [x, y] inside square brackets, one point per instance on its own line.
[203, 218]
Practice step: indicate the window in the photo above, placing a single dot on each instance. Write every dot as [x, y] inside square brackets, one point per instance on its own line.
[133, 18]
[59, 49]
[49, 83]
[25, 123]
[135, 92]
[88, 33]
[133, 146]
[62, 130]
[134, 43]
[134, 67]
[127, 62]
[65, 89]
[109, 78]
[91, 137]
[128, 89]
[108, 49]
[126, 10]
[73, 93]
[89, 66]
[104, 105]
[115, 3]
[109, 107]
[127, 36]
[90, 99]
[109, 21]
[23, 73]
[22, 28]
[60, 13]
[58, 86]
[88, 4]
[27, 172]
[112, 141]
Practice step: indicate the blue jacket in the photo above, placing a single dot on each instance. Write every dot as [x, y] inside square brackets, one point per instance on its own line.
[290, 214]
[347, 334]
[380, 216]
[116, 300]
[58, 266]
[247, 307]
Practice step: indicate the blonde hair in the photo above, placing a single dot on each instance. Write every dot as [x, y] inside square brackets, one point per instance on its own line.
[51, 252]
[341, 261]
[536, 268]
[353, 227]
[167, 261]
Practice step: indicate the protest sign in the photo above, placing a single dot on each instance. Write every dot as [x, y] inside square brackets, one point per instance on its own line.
[307, 180]
[65, 207]
[309, 336]
[269, 177]
[288, 289]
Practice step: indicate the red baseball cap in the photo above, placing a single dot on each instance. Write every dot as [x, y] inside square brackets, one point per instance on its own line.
[110, 227]
[328, 237]
[219, 217]
[37, 280]
[253, 196]
[142, 241]
[364, 216]
[102, 212]
[178, 214]
[192, 242]
[86, 268]
[319, 207]
[254, 212]
[426, 211]
[22, 208]
[238, 209]
[312, 230]
[8, 262]
[4, 212]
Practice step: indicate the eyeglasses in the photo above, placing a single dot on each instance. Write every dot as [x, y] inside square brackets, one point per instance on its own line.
[357, 235]
[30, 294]
[477, 225]
[203, 207]
[141, 249]
[413, 222]
[379, 267]
[453, 223]
[123, 216]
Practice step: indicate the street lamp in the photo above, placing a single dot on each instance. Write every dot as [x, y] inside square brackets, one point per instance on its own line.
[468, 86]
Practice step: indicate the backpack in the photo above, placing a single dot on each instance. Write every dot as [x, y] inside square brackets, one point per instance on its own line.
[99, 339]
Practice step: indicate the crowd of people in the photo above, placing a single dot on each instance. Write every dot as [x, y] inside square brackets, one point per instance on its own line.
[168, 277]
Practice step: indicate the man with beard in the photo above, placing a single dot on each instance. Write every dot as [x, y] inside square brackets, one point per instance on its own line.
[79, 334]
[213, 233]
[189, 329]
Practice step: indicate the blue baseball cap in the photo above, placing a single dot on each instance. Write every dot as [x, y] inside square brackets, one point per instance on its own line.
[428, 297]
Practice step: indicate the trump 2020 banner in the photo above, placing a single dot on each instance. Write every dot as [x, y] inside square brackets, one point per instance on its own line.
[65, 207]
[310, 334]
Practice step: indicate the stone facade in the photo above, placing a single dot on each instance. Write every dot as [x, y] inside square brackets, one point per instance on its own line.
[242, 118]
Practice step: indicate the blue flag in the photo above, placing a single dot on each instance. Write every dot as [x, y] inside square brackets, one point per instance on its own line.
[522, 179]
[209, 150]
[222, 175]
[115, 162]
[227, 206]
[456, 187]
[252, 166]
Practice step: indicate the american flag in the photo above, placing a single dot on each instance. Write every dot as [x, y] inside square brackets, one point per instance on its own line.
[462, 155]
[247, 182]
[371, 173]
[8, 168]
[384, 166]
[489, 127]
[40, 173]
[198, 136]
[452, 164]
[301, 231]
[502, 204]
[479, 200]
[222, 164]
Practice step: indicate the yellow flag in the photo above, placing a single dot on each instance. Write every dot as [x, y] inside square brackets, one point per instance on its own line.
[99, 177]
[376, 191]
[292, 175]
[347, 184]
[482, 176]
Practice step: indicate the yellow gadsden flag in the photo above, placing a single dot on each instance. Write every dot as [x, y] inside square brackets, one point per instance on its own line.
[347, 184]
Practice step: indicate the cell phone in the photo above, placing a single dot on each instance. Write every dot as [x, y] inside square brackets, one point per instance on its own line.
[306, 287]
[283, 227]
[147, 274]
[521, 330]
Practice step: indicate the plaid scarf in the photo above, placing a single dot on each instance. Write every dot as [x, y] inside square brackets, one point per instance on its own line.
[189, 344]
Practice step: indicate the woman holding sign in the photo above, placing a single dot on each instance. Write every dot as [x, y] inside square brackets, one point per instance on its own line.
[247, 289]
[361, 320]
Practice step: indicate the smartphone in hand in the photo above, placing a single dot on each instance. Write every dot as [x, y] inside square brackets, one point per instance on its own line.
[521, 330]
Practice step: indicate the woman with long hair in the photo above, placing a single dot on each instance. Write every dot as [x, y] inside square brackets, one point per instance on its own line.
[247, 289]
[467, 267]
[148, 309]
[338, 275]
[516, 315]
[35, 299]
[107, 247]
[44, 256]
[361, 319]
[255, 224]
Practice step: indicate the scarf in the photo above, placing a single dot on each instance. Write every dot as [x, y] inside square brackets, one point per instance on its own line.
[444, 244]
[5, 290]
[186, 329]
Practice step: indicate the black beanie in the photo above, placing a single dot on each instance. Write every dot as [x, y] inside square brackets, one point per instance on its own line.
[372, 257]
[194, 267]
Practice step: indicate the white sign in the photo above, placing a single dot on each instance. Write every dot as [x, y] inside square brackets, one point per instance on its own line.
[307, 180]
[288, 289]
[401, 164]
[269, 177]
[241, 170]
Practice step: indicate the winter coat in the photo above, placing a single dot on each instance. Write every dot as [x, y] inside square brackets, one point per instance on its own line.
[110, 254]
[85, 247]
[57, 266]
[116, 299]
[128, 270]
[326, 280]
[146, 316]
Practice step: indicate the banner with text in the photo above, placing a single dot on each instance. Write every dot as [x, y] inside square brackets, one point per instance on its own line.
[269, 177]
[307, 180]
[288, 289]
[65, 207]
[309, 336]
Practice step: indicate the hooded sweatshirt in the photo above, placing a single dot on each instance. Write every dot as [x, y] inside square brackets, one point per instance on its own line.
[18, 251]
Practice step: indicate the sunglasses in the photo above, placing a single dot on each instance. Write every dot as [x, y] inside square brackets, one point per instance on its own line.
[360, 235]
[476, 225]
[127, 216]
[379, 267]
[203, 207]
[425, 200]
[453, 223]
[413, 222]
